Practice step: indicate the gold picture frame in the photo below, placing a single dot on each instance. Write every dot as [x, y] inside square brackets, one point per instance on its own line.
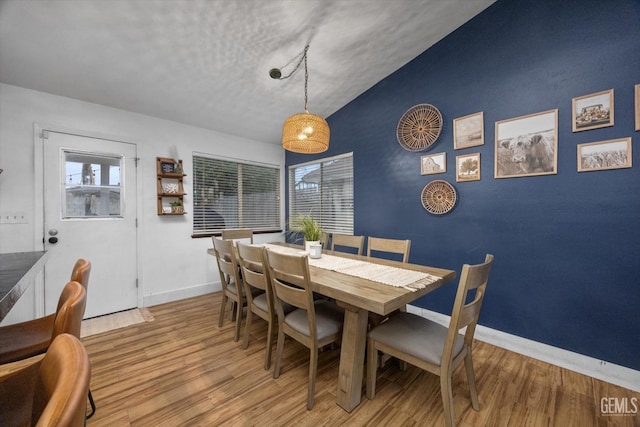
[603, 155]
[527, 145]
[637, 103]
[468, 167]
[468, 131]
[592, 111]
[433, 163]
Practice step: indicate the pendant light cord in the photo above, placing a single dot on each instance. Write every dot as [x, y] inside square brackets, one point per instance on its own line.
[303, 56]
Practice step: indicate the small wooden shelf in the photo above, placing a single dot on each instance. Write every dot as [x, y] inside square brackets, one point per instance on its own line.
[169, 187]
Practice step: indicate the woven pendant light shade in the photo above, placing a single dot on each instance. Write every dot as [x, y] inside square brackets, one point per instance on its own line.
[305, 133]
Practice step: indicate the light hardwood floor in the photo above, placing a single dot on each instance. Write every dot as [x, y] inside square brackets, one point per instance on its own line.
[182, 370]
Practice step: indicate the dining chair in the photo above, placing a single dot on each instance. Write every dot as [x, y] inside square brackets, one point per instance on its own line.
[80, 273]
[232, 285]
[313, 324]
[256, 275]
[23, 340]
[378, 246]
[238, 234]
[389, 246]
[431, 346]
[347, 241]
[50, 391]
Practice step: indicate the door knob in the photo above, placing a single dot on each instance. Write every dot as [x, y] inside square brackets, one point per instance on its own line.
[53, 240]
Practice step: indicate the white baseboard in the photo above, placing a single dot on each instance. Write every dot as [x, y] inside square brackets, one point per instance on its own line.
[178, 294]
[599, 369]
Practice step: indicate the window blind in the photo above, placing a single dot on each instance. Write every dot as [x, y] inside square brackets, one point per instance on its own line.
[231, 194]
[324, 190]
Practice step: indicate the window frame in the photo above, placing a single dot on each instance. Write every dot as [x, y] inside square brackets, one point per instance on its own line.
[239, 163]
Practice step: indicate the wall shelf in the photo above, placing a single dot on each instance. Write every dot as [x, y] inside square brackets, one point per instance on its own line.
[170, 188]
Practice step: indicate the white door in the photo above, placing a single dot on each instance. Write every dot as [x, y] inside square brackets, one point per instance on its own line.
[90, 212]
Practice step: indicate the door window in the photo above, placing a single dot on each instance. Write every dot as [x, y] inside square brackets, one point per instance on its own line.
[93, 186]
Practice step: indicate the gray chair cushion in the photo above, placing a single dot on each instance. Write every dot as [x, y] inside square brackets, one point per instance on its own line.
[261, 302]
[329, 319]
[416, 336]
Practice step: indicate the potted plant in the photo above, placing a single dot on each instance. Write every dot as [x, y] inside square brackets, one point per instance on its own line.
[308, 227]
[176, 207]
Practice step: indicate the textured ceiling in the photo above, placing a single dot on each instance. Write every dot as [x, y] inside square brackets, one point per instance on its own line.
[206, 62]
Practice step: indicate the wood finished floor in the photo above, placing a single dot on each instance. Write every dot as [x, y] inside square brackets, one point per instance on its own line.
[182, 370]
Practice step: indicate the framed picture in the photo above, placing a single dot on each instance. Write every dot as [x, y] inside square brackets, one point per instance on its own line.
[168, 167]
[527, 145]
[593, 111]
[610, 154]
[468, 167]
[637, 98]
[433, 163]
[468, 131]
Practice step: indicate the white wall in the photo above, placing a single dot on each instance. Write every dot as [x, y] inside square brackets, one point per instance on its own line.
[172, 265]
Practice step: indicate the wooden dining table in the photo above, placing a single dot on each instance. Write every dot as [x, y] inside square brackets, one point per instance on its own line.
[359, 296]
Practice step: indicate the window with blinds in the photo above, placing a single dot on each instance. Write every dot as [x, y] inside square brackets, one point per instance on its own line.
[324, 190]
[231, 194]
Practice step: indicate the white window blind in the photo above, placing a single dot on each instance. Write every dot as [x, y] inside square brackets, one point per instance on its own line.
[324, 190]
[231, 194]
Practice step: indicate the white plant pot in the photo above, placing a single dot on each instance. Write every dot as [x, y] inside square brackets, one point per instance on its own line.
[309, 243]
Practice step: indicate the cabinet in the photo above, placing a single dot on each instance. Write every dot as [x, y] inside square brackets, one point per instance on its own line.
[170, 187]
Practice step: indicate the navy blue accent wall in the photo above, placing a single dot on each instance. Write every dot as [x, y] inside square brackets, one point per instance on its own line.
[567, 246]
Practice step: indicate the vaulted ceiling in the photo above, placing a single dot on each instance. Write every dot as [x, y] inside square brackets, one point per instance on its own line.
[206, 62]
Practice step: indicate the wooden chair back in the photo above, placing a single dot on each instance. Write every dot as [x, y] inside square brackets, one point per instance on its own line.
[254, 273]
[290, 280]
[237, 233]
[466, 310]
[393, 246]
[61, 388]
[345, 240]
[227, 263]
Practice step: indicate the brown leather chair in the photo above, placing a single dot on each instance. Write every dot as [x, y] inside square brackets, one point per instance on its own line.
[33, 337]
[51, 391]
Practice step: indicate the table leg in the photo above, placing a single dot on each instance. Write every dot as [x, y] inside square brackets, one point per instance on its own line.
[354, 337]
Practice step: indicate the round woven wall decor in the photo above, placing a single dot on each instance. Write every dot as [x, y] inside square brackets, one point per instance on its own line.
[419, 127]
[438, 197]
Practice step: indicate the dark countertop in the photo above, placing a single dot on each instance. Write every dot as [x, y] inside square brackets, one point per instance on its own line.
[17, 272]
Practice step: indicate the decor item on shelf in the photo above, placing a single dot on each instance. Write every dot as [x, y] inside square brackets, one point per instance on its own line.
[419, 127]
[303, 132]
[176, 207]
[438, 197]
[308, 227]
[171, 188]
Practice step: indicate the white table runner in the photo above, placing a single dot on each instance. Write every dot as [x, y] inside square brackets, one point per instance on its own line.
[388, 275]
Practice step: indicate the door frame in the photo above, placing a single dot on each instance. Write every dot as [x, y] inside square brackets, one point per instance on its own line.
[38, 203]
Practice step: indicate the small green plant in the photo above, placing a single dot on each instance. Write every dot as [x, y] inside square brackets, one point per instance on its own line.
[176, 203]
[307, 226]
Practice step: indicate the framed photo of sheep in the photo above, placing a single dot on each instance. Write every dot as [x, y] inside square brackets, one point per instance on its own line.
[602, 155]
[593, 111]
[468, 131]
[527, 145]
[433, 163]
[468, 167]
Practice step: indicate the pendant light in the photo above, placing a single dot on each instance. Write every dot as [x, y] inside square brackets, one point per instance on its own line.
[303, 132]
